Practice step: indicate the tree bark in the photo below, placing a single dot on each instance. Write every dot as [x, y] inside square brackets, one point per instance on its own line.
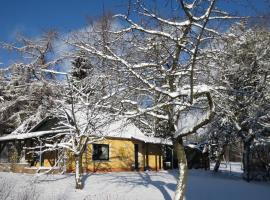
[246, 157]
[183, 170]
[78, 172]
[221, 154]
[246, 161]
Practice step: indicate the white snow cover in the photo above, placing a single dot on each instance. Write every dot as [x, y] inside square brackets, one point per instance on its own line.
[31, 135]
[194, 146]
[115, 129]
[187, 120]
[123, 129]
[202, 185]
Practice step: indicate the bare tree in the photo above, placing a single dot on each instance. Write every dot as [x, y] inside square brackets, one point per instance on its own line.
[80, 102]
[161, 59]
[81, 113]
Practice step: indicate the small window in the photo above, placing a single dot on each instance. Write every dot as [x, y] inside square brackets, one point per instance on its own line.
[100, 152]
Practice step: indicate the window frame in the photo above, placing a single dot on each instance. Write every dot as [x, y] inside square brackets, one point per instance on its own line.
[100, 145]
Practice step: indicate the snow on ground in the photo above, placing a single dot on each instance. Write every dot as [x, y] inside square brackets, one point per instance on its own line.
[233, 168]
[202, 185]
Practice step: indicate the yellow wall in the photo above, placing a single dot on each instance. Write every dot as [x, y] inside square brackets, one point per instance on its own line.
[155, 157]
[48, 159]
[121, 157]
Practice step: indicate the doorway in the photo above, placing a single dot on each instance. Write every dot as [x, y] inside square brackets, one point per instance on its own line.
[136, 153]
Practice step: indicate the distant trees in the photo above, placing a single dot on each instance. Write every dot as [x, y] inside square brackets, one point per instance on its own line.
[25, 89]
[243, 104]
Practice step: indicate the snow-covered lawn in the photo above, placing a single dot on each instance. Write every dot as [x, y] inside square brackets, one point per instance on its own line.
[202, 185]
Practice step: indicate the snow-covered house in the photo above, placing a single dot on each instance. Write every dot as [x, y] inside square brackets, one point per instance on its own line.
[123, 147]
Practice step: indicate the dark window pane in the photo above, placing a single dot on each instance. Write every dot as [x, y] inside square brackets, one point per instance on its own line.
[100, 152]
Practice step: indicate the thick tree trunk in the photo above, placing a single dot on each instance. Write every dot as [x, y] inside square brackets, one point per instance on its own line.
[78, 172]
[183, 170]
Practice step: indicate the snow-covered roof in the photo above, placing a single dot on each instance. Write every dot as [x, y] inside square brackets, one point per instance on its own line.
[118, 128]
[30, 135]
[123, 129]
[115, 129]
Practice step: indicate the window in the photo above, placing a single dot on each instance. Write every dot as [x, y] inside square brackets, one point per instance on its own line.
[100, 152]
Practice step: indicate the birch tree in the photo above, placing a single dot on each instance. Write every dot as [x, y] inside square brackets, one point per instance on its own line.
[161, 58]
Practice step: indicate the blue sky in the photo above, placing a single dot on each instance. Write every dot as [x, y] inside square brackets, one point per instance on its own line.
[31, 17]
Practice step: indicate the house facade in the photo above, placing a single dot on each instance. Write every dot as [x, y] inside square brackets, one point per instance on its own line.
[120, 154]
[123, 148]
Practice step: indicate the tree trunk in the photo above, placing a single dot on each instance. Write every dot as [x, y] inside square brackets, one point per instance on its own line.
[78, 172]
[183, 170]
[246, 161]
[220, 156]
[246, 157]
